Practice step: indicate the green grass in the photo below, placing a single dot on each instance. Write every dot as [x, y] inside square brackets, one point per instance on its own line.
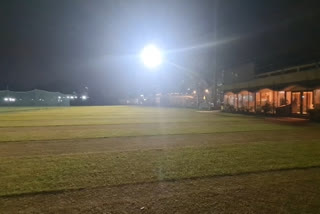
[50, 173]
[98, 122]
[62, 149]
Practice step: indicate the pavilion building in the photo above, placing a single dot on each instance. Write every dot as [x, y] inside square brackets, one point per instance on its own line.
[287, 92]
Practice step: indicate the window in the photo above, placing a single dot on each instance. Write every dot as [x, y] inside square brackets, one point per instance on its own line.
[281, 99]
[317, 98]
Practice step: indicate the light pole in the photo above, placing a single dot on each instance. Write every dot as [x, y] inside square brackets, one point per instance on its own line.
[152, 57]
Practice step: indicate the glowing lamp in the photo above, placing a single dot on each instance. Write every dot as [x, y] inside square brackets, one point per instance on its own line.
[151, 56]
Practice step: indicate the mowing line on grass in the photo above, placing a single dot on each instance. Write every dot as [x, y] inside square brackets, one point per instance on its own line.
[48, 192]
[140, 135]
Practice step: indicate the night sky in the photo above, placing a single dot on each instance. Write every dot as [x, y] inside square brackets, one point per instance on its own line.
[69, 45]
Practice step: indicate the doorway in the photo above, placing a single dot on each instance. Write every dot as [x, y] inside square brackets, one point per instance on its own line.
[301, 102]
[307, 101]
[296, 102]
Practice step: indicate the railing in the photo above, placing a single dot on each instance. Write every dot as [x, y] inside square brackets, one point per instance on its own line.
[294, 69]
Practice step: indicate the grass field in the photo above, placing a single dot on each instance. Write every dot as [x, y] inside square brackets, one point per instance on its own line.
[155, 160]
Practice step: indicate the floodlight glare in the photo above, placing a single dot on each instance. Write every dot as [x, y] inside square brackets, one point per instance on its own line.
[151, 56]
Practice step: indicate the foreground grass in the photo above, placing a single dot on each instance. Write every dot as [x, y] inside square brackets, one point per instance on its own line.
[91, 150]
[51, 173]
[293, 191]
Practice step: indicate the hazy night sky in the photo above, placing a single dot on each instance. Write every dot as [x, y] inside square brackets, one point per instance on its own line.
[67, 45]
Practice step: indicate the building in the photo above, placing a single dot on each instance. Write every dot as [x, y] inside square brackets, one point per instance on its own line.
[291, 91]
[33, 98]
[178, 100]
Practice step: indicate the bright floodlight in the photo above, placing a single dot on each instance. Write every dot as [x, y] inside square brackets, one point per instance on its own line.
[151, 56]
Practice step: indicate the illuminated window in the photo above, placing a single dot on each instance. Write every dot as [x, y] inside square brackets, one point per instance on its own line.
[317, 97]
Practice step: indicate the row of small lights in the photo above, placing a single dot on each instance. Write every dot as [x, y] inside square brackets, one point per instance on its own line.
[10, 99]
[194, 92]
[73, 97]
[83, 97]
[204, 97]
[206, 91]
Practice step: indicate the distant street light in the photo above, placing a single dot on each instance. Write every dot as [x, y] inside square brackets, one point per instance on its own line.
[151, 56]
